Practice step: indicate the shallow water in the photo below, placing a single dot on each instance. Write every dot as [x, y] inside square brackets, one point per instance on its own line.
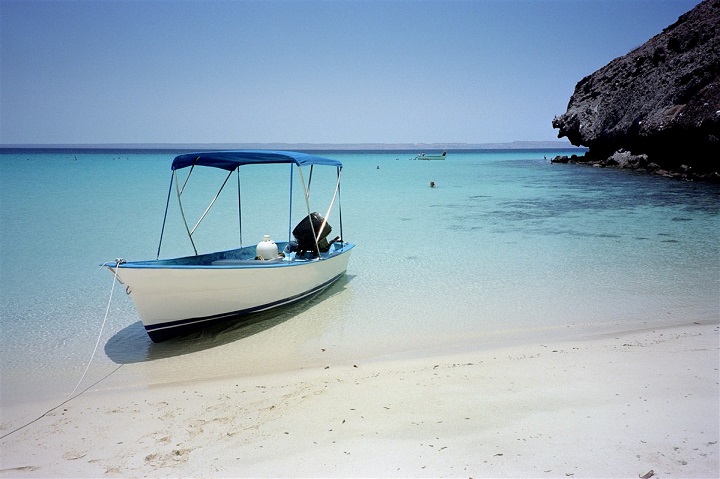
[506, 241]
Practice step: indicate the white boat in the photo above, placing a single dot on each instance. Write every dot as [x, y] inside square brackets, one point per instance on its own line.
[175, 296]
[423, 156]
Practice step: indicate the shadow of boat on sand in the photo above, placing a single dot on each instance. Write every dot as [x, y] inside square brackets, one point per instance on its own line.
[132, 344]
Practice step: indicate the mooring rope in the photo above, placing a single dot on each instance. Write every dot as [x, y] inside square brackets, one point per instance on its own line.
[118, 262]
[70, 397]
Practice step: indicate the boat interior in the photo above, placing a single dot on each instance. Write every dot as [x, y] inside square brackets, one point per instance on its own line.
[242, 256]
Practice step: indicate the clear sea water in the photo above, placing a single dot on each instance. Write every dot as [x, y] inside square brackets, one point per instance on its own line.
[506, 244]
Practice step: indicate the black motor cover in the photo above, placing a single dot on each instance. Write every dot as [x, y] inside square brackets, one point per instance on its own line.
[303, 233]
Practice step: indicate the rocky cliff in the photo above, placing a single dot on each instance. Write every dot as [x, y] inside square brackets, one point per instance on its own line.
[658, 107]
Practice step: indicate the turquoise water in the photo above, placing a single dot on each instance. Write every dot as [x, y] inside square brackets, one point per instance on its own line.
[505, 242]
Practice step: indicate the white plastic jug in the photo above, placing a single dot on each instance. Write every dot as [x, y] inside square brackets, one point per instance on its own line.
[266, 249]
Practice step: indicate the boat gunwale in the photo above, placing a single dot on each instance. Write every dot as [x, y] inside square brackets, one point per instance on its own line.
[232, 263]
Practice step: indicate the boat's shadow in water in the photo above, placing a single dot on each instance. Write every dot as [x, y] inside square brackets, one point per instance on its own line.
[132, 344]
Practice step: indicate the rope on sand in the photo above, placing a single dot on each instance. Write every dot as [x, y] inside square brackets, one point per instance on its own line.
[118, 262]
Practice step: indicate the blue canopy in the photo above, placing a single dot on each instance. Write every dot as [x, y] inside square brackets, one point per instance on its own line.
[229, 160]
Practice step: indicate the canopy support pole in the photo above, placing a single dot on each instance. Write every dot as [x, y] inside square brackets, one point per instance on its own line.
[182, 213]
[291, 203]
[239, 206]
[307, 205]
[340, 205]
[211, 203]
[187, 178]
[310, 180]
[167, 205]
[325, 219]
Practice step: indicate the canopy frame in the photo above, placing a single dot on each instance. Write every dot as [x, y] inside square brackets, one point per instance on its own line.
[231, 161]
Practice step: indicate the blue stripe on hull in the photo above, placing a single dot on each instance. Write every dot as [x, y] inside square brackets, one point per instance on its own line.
[164, 331]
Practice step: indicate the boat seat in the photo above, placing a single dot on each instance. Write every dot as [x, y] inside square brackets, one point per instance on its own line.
[233, 261]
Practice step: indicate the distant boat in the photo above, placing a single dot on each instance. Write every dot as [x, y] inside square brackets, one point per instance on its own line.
[175, 296]
[423, 156]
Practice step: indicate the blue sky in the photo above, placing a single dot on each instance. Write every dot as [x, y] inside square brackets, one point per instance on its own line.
[370, 71]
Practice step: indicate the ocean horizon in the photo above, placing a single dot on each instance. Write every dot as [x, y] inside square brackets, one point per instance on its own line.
[306, 147]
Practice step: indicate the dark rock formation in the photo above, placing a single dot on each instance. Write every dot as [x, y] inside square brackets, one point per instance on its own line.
[658, 107]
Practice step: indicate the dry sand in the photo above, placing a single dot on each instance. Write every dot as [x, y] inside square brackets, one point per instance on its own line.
[613, 405]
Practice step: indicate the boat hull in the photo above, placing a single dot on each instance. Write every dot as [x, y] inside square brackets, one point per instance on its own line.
[174, 297]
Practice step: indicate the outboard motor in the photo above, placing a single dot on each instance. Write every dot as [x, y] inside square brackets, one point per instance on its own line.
[303, 233]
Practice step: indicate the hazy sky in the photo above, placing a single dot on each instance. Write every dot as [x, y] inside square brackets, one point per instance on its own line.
[369, 71]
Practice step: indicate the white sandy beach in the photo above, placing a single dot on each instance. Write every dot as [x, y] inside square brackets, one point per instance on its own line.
[611, 405]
